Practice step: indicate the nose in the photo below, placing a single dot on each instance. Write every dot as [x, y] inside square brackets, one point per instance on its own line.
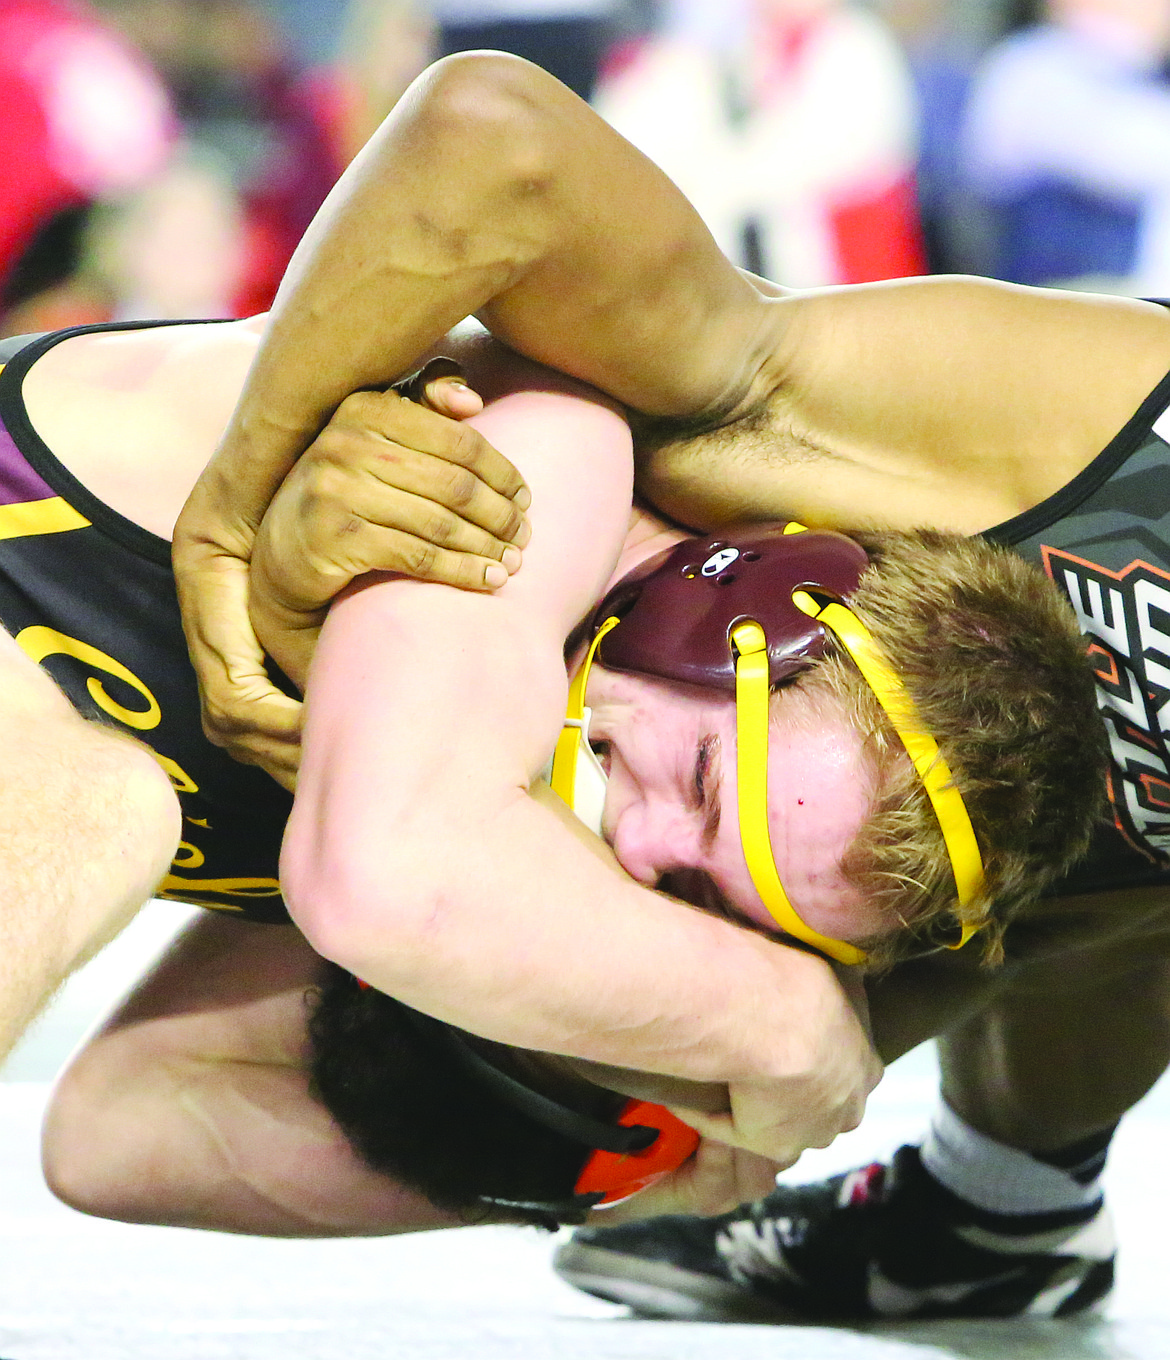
[652, 837]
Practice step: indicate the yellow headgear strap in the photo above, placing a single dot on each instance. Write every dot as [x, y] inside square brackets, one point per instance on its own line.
[752, 694]
[921, 747]
[752, 690]
[563, 779]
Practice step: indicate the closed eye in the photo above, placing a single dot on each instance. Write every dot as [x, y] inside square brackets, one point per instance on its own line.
[706, 787]
[601, 750]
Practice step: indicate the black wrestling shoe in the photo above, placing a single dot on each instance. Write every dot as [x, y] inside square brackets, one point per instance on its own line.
[879, 1242]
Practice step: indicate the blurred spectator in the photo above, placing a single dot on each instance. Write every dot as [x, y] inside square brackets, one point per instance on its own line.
[566, 37]
[1068, 138]
[238, 91]
[83, 117]
[381, 46]
[790, 124]
[173, 248]
[942, 54]
[284, 131]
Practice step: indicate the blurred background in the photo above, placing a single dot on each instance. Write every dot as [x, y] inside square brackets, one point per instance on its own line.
[161, 158]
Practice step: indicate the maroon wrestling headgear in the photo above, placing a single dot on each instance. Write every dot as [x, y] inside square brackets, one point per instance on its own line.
[677, 610]
[740, 612]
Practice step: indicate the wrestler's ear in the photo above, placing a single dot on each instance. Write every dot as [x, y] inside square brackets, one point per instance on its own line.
[440, 385]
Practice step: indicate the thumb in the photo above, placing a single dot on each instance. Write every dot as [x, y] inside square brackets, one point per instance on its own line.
[450, 396]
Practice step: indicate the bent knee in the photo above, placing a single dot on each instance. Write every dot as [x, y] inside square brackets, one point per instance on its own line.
[85, 1163]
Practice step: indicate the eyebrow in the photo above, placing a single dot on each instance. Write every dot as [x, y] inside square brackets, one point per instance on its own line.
[708, 786]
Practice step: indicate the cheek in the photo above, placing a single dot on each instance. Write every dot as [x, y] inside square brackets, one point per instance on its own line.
[820, 793]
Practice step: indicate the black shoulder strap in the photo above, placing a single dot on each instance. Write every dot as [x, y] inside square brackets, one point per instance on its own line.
[13, 344]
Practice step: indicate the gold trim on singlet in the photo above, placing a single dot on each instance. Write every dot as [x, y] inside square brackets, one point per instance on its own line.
[53, 515]
[50, 516]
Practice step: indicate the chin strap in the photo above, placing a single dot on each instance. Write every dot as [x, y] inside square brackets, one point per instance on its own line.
[752, 716]
[576, 776]
[752, 691]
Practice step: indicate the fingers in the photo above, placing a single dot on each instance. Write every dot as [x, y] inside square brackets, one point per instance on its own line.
[464, 563]
[452, 397]
[432, 431]
[419, 496]
[775, 1144]
[715, 1179]
[242, 711]
[257, 725]
[405, 467]
[439, 384]
[360, 500]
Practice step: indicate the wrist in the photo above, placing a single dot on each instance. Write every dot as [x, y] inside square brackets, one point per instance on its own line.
[803, 1015]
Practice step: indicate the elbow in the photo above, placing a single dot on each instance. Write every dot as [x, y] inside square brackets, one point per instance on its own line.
[502, 106]
[357, 897]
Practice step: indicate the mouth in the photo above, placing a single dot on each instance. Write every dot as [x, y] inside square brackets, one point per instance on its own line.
[601, 750]
[697, 888]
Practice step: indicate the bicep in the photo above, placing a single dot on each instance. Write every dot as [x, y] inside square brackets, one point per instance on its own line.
[429, 707]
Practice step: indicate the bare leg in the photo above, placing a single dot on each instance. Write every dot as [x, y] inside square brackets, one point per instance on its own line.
[90, 823]
[191, 1105]
[1066, 1048]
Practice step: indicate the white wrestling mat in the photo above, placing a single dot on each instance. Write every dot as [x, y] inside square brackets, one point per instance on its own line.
[73, 1288]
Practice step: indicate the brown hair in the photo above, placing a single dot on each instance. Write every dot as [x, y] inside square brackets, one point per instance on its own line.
[998, 670]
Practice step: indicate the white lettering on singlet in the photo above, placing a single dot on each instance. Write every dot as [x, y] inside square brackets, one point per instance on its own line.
[1126, 616]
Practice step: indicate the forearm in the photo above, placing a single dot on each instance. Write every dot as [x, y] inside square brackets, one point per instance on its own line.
[492, 189]
[517, 936]
[201, 1141]
[191, 1105]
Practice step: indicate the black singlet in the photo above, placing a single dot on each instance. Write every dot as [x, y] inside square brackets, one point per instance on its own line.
[90, 596]
[1104, 541]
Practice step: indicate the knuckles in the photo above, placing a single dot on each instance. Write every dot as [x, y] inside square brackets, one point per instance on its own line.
[457, 485]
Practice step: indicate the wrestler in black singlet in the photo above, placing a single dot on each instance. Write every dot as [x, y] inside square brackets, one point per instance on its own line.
[1104, 540]
[91, 597]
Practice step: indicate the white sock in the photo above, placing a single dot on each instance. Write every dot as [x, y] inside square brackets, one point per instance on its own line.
[995, 1177]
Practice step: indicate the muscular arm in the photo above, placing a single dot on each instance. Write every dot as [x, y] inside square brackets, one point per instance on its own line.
[950, 402]
[492, 189]
[190, 1106]
[90, 825]
[416, 858]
